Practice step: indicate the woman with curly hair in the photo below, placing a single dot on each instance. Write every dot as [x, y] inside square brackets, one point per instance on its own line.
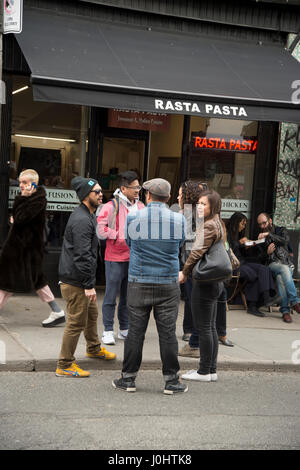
[188, 196]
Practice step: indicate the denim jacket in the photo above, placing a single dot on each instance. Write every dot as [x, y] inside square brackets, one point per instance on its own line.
[154, 236]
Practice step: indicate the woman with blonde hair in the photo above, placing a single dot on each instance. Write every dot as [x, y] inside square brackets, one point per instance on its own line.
[21, 258]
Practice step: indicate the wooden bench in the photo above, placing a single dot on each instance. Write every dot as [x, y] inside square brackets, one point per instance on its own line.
[238, 285]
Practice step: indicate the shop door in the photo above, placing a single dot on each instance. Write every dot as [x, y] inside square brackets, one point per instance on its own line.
[121, 154]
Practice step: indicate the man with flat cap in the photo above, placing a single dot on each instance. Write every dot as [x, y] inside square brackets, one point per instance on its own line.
[154, 235]
[77, 273]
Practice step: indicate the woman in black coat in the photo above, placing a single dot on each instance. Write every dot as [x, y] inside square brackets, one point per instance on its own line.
[260, 287]
[21, 259]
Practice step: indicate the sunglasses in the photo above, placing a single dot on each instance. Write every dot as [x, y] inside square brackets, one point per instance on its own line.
[96, 191]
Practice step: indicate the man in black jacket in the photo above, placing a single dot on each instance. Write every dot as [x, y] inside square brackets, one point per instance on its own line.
[77, 273]
[278, 256]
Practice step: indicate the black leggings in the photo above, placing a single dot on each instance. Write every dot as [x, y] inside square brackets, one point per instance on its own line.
[204, 309]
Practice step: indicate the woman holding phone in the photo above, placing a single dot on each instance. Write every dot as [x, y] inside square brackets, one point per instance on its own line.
[21, 259]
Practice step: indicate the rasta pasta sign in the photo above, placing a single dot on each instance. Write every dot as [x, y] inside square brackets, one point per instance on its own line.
[61, 200]
[205, 109]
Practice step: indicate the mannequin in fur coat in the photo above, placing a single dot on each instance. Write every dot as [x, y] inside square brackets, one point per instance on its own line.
[21, 258]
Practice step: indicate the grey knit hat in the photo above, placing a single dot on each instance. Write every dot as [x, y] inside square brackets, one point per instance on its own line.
[83, 186]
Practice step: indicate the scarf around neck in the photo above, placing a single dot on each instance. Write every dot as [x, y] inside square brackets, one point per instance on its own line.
[130, 206]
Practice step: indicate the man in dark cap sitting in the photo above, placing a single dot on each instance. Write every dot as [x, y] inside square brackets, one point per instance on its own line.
[77, 273]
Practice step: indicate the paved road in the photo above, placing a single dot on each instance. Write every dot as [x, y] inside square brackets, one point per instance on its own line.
[243, 410]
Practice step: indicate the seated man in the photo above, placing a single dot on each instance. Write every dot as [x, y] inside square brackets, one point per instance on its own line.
[277, 253]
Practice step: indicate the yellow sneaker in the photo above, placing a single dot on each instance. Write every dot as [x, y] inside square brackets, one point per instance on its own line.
[73, 371]
[103, 354]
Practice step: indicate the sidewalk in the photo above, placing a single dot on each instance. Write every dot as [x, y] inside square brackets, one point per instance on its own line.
[260, 343]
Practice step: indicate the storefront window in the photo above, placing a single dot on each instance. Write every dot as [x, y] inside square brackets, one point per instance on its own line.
[119, 155]
[222, 154]
[165, 152]
[52, 139]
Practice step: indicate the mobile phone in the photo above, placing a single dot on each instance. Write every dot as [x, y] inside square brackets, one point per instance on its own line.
[30, 186]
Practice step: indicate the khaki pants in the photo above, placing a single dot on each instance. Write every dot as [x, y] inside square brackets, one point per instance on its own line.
[82, 315]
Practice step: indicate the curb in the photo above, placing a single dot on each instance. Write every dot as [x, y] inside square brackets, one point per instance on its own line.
[34, 365]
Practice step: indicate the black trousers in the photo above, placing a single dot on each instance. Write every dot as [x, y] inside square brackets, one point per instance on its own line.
[164, 299]
[259, 280]
[221, 321]
[204, 309]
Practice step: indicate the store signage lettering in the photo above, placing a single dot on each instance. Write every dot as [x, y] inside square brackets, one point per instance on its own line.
[127, 119]
[61, 207]
[238, 205]
[221, 143]
[63, 200]
[61, 195]
[205, 109]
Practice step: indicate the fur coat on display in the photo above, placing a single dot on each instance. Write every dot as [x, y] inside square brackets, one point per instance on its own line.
[21, 259]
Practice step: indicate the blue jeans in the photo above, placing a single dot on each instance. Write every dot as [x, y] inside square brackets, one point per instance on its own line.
[116, 274]
[285, 285]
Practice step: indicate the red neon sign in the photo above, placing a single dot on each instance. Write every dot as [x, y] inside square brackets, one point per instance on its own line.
[233, 144]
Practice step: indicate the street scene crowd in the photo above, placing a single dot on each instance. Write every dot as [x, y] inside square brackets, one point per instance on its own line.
[153, 256]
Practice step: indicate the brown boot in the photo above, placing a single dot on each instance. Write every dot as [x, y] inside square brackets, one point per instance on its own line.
[296, 307]
[187, 351]
[287, 318]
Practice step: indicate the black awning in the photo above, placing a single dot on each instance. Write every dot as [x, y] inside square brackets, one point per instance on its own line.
[81, 61]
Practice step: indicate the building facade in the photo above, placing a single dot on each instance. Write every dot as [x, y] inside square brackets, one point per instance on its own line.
[180, 90]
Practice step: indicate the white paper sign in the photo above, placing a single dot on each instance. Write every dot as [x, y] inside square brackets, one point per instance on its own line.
[12, 16]
[62, 200]
[236, 205]
[230, 206]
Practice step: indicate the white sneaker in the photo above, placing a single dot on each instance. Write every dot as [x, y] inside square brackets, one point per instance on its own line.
[108, 337]
[193, 375]
[122, 334]
[54, 319]
[214, 377]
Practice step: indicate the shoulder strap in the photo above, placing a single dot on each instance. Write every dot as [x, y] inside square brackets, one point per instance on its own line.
[116, 205]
